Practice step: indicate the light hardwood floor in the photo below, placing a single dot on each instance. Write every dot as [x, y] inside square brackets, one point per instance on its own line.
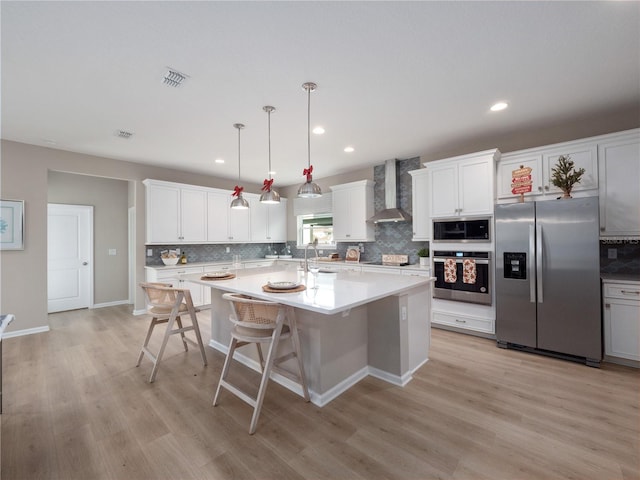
[76, 407]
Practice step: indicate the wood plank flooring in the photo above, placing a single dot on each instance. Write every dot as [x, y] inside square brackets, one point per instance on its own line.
[76, 407]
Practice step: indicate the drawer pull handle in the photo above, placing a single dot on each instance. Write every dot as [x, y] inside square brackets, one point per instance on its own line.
[630, 292]
[607, 305]
[460, 321]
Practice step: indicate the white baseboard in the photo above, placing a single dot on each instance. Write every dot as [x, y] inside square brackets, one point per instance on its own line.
[139, 312]
[26, 331]
[401, 381]
[110, 304]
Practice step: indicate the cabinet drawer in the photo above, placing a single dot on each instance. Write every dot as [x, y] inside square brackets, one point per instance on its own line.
[619, 290]
[463, 321]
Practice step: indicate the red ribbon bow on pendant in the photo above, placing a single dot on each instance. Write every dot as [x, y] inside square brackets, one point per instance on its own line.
[237, 191]
[267, 185]
[307, 172]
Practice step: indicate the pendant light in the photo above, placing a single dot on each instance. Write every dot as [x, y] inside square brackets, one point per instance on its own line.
[268, 195]
[309, 189]
[238, 203]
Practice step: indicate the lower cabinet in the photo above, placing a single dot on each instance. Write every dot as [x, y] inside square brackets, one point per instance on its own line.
[169, 276]
[477, 324]
[621, 318]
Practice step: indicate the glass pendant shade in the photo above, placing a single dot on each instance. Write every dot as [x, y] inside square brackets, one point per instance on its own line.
[269, 195]
[309, 189]
[238, 203]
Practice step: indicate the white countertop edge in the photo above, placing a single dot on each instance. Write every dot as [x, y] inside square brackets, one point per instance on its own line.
[620, 278]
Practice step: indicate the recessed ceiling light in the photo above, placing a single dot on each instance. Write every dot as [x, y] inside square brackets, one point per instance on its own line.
[496, 107]
[318, 130]
[349, 149]
[219, 160]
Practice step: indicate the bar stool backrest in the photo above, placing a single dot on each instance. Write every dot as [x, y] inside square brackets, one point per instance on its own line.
[160, 294]
[253, 313]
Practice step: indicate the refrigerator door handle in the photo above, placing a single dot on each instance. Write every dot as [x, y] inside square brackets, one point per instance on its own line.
[532, 255]
[539, 261]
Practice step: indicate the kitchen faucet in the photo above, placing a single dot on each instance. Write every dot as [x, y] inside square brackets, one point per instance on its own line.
[313, 244]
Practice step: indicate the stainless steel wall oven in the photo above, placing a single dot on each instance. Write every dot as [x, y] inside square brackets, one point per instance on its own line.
[462, 276]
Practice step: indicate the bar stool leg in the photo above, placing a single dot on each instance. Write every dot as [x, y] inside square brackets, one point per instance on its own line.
[225, 369]
[165, 339]
[196, 327]
[295, 339]
[145, 345]
[184, 341]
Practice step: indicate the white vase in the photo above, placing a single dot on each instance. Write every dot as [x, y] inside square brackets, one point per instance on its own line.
[424, 261]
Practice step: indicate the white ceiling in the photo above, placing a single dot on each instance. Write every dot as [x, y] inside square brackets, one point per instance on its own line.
[395, 79]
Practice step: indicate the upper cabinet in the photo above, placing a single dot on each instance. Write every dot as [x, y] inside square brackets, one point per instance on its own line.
[619, 175]
[226, 225]
[420, 205]
[462, 186]
[352, 207]
[180, 214]
[541, 161]
[175, 213]
[268, 221]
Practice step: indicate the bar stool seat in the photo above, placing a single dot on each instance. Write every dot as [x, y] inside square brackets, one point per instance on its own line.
[260, 321]
[166, 304]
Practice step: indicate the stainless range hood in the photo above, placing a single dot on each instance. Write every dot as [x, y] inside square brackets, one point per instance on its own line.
[391, 212]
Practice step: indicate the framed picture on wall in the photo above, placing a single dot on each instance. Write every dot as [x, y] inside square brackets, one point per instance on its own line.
[11, 225]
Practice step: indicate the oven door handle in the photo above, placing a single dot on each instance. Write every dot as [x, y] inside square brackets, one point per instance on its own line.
[481, 261]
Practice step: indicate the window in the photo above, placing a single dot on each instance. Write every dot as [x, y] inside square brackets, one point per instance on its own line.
[319, 227]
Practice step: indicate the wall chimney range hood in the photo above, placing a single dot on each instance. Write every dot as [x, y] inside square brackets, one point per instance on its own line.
[391, 212]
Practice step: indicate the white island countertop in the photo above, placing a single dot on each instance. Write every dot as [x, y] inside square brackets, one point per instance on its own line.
[352, 325]
[335, 292]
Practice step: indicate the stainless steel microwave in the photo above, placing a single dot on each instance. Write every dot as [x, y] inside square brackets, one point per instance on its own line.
[462, 230]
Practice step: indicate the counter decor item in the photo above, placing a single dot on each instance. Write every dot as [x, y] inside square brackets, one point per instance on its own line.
[423, 255]
[565, 176]
[169, 257]
[352, 255]
[11, 225]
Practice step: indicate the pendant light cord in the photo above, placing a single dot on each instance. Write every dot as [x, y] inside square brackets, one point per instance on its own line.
[269, 128]
[238, 154]
[309, 126]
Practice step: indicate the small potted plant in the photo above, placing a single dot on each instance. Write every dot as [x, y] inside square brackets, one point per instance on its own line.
[423, 254]
[565, 176]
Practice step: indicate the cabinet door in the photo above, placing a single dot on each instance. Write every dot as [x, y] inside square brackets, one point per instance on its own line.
[506, 167]
[163, 214]
[583, 157]
[239, 225]
[259, 215]
[420, 205]
[277, 226]
[193, 215]
[622, 328]
[475, 187]
[218, 216]
[443, 189]
[341, 215]
[619, 174]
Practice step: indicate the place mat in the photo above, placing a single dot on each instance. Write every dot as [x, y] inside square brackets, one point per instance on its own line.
[268, 289]
[226, 277]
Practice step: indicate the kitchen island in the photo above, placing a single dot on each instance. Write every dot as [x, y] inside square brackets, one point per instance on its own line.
[352, 324]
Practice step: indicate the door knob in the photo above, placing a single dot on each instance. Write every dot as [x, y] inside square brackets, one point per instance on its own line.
[85, 263]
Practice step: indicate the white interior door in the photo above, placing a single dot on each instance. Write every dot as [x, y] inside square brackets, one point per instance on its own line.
[70, 257]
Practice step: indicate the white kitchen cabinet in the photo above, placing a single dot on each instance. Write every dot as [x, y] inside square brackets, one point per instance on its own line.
[381, 269]
[268, 221]
[621, 318]
[175, 213]
[462, 186]
[420, 205]
[169, 276]
[224, 224]
[352, 206]
[619, 175]
[542, 160]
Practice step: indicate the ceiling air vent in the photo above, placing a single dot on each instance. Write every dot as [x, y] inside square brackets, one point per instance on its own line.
[173, 78]
[123, 134]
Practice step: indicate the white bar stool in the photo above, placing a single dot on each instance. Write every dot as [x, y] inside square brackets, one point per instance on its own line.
[259, 321]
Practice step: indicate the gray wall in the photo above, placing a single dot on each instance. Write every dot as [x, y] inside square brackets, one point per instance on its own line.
[109, 199]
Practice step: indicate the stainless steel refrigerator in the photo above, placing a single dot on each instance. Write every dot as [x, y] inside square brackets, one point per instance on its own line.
[548, 278]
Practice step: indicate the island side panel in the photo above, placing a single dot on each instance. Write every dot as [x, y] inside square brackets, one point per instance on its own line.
[419, 323]
[387, 337]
